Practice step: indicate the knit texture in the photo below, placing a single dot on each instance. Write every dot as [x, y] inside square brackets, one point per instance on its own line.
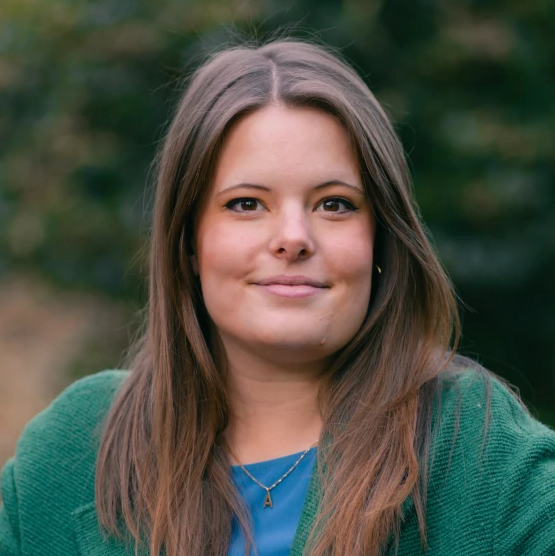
[488, 495]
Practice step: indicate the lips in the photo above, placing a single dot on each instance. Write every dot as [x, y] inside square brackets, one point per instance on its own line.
[292, 286]
[291, 281]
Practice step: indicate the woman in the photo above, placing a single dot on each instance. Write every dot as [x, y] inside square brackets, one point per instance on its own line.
[295, 390]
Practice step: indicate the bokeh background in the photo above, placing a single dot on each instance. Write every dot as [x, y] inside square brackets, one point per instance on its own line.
[86, 90]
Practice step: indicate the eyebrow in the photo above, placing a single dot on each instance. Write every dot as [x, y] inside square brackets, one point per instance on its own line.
[257, 187]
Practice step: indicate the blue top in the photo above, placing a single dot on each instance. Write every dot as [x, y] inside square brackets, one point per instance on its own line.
[273, 527]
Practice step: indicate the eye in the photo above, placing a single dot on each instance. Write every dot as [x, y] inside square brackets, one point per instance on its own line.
[337, 205]
[245, 204]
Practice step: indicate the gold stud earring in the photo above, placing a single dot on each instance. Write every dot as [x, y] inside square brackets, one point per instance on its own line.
[379, 269]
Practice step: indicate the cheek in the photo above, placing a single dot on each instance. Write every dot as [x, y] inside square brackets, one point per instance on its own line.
[350, 263]
[225, 256]
[224, 251]
[350, 257]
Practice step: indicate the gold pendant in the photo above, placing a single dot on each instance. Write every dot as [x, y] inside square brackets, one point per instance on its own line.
[268, 500]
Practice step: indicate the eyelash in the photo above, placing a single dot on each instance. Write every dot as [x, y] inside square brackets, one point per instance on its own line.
[349, 206]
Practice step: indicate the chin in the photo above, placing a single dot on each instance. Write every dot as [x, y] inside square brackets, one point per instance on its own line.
[294, 354]
[296, 345]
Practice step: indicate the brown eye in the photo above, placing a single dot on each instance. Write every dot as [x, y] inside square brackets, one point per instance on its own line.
[337, 205]
[332, 206]
[248, 205]
[243, 205]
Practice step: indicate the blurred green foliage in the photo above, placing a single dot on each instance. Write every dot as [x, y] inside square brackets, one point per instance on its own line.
[87, 87]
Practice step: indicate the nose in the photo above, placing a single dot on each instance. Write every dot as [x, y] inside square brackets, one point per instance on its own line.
[292, 237]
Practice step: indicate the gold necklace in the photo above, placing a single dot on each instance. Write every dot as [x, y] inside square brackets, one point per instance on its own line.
[268, 500]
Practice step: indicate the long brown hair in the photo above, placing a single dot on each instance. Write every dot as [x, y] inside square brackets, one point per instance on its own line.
[162, 465]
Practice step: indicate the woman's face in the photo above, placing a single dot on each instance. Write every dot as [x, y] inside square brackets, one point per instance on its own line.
[283, 245]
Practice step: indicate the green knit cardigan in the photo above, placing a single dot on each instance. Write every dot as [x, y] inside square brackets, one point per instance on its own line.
[487, 495]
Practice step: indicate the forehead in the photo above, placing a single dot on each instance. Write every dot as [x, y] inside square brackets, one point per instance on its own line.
[277, 143]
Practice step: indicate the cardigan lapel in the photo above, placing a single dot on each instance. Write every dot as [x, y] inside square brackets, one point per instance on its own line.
[310, 511]
[308, 514]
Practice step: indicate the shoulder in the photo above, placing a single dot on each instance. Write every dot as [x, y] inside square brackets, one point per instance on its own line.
[474, 400]
[489, 458]
[92, 394]
[73, 417]
[53, 471]
[56, 453]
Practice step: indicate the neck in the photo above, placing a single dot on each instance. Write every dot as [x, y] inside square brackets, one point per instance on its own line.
[273, 408]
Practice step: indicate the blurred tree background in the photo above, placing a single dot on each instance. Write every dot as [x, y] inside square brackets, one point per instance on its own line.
[87, 88]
